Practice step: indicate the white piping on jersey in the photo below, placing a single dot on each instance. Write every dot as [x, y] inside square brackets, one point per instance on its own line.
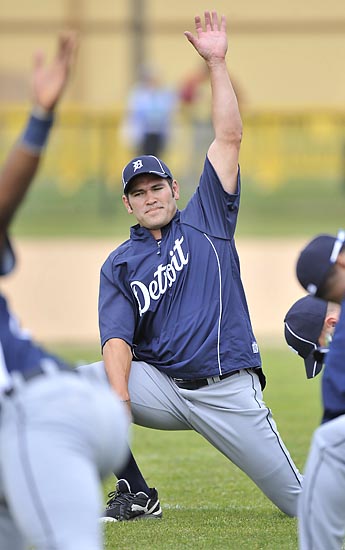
[220, 301]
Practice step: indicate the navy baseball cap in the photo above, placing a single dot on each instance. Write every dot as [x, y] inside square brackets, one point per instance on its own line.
[316, 260]
[145, 164]
[303, 325]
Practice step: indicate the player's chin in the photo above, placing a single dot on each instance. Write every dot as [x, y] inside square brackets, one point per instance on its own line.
[156, 219]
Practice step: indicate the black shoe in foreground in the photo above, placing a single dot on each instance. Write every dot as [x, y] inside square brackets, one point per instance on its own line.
[125, 506]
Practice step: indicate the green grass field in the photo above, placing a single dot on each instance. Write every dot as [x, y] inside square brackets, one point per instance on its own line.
[294, 209]
[207, 502]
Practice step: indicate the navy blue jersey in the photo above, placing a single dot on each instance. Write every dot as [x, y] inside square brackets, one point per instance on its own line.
[17, 351]
[180, 303]
[333, 381]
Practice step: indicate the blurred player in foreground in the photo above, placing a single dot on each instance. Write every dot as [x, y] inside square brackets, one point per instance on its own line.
[58, 432]
[175, 328]
[321, 271]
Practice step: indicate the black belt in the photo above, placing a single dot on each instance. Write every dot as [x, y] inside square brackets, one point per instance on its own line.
[201, 382]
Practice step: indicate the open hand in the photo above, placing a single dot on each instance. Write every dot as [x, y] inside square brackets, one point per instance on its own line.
[48, 82]
[211, 43]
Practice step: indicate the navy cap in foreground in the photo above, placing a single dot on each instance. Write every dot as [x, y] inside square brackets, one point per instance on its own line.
[145, 164]
[303, 324]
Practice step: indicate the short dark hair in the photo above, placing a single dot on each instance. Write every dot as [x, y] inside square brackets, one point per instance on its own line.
[327, 284]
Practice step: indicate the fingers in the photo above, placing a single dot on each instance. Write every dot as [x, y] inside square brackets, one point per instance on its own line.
[211, 22]
[208, 23]
[215, 21]
[38, 59]
[66, 50]
[198, 25]
[190, 37]
[49, 80]
[223, 24]
[210, 40]
[67, 46]
[67, 40]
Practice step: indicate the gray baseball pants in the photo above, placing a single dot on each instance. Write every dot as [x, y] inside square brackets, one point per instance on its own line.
[230, 414]
[59, 433]
[321, 510]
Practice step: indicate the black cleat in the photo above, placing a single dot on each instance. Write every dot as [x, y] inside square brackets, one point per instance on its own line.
[125, 506]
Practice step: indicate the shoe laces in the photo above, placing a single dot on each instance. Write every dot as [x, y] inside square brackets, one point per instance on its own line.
[119, 497]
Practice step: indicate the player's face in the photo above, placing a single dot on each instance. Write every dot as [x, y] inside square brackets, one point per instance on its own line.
[152, 201]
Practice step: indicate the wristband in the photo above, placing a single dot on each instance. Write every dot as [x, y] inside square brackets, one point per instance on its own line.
[36, 132]
[40, 112]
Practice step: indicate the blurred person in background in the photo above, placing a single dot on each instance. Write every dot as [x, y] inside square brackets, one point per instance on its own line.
[60, 432]
[149, 114]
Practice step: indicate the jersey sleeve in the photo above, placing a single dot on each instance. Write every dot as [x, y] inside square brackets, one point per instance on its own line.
[211, 209]
[116, 311]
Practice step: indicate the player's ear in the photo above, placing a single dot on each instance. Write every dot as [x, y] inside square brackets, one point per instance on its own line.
[175, 190]
[127, 204]
[341, 260]
[330, 321]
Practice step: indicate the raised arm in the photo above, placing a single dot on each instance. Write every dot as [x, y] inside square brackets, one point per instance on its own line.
[48, 83]
[211, 43]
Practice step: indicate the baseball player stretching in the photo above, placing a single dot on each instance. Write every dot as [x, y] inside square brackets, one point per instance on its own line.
[308, 328]
[321, 511]
[57, 434]
[176, 334]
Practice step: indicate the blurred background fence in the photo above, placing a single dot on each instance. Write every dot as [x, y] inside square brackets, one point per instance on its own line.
[293, 171]
[286, 60]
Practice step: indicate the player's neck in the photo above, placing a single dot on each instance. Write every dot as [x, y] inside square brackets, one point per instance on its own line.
[156, 234]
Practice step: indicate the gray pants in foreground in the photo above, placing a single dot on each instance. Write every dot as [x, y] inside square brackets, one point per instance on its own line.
[230, 414]
[321, 512]
[59, 434]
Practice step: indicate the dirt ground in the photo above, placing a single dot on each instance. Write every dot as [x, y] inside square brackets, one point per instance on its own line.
[55, 286]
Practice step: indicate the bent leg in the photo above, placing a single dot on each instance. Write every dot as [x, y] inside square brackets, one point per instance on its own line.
[155, 400]
[232, 415]
[145, 411]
